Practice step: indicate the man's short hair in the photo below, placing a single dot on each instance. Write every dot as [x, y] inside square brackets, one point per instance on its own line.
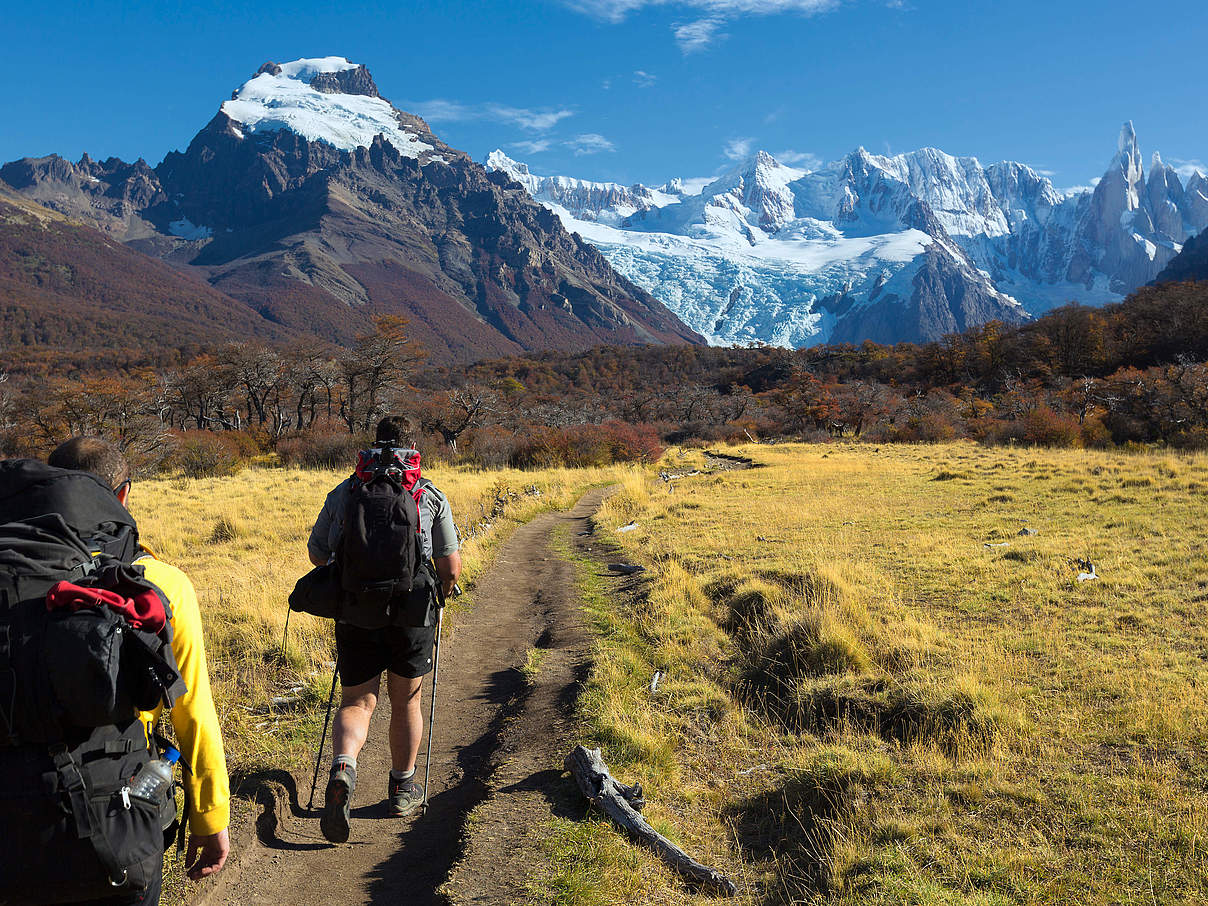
[389, 430]
[92, 454]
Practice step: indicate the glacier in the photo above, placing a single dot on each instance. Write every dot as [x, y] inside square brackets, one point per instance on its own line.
[768, 253]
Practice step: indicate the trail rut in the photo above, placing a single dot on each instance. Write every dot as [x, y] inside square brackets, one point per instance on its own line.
[494, 732]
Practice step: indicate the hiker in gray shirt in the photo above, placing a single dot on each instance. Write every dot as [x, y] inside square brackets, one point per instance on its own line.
[403, 652]
[435, 516]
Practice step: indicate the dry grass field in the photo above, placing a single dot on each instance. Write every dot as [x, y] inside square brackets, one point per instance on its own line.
[874, 688]
[878, 688]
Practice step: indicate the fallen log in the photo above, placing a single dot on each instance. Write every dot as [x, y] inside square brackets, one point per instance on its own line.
[622, 803]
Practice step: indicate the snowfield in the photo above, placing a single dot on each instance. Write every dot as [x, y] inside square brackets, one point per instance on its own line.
[347, 121]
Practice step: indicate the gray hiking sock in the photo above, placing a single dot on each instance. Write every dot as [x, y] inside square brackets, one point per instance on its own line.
[401, 775]
[345, 759]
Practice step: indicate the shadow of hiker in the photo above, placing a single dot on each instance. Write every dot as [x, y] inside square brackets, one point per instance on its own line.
[272, 789]
[432, 842]
[560, 792]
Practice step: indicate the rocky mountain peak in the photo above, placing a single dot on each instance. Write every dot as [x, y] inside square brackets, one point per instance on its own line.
[1127, 143]
[346, 81]
[497, 160]
[322, 99]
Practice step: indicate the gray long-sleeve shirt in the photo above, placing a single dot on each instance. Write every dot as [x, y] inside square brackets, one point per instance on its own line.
[435, 522]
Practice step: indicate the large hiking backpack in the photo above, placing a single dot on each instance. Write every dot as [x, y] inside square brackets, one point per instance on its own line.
[85, 644]
[380, 555]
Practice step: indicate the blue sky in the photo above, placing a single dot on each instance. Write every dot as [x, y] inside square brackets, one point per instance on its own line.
[640, 90]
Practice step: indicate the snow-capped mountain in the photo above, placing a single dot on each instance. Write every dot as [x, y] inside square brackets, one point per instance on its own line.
[316, 203]
[885, 248]
[771, 253]
[608, 202]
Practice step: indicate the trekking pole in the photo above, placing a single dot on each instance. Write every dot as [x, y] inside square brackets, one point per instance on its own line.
[323, 738]
[285, 635]
[440, 616]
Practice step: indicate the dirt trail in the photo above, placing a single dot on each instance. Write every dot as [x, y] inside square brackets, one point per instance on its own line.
[495, 733]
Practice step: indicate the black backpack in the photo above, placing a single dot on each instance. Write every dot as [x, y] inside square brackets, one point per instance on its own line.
[380, 554]
[71, 685]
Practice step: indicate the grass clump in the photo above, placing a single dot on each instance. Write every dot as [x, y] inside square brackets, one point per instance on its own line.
[807, 645]
[892, 709]
[226, 529]
[796, 825]
[753, 608]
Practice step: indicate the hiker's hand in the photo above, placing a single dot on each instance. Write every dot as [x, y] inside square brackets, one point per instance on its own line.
[207, 854]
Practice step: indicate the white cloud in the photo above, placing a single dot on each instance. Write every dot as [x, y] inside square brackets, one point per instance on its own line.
[1188, 168]
[738, 148]
[694, 185]
[705, 31]
[697, 36]
[589, 143]
[643, 79]
[537, 120]
[439, 110]
[608, 10]
[1047, 173]
[534, 147]
[617, 10]
[1078, 190]
[803, 159]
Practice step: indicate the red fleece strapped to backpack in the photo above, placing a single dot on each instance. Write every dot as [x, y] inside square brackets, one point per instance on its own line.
[145, 610]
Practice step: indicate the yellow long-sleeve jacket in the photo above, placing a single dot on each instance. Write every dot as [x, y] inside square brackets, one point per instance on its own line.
[193, 716]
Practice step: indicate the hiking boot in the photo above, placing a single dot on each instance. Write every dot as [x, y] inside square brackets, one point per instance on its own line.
[336, 808]
[405, 796]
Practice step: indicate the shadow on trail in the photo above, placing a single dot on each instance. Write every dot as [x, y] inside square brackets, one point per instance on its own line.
[273, 789]
[563, 798]
[432, 844]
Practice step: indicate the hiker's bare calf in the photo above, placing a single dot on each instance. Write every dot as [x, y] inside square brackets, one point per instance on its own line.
[357, 704]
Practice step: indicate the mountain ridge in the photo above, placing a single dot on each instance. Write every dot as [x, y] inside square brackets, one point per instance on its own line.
[318, 208]
[774, 235]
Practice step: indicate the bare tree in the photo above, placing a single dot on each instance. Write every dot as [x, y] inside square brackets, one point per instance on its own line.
[454, 412]
[375, 370]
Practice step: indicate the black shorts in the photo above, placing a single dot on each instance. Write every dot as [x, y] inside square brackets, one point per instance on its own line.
[364, 653]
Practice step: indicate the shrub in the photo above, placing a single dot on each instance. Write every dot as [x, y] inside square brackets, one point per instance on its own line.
[1192, 438]
[327, 450]
[1095, 434]
[205, 454]
[587, 445]
[490, 447]
[930, 428]
[1046, 428]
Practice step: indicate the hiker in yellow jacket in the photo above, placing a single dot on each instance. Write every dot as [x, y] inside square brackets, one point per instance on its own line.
[193, 716]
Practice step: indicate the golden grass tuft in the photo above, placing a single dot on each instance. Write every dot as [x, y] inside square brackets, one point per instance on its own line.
[226, 529]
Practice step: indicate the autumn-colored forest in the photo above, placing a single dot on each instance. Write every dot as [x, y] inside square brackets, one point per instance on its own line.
[1136, 372]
